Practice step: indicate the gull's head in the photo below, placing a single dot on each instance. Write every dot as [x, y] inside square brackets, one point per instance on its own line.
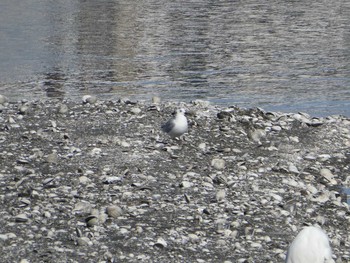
[181, 111]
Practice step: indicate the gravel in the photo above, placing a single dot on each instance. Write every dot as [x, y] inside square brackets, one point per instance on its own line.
[98, 181]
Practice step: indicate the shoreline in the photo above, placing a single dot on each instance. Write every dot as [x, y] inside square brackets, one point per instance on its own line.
[98, 181]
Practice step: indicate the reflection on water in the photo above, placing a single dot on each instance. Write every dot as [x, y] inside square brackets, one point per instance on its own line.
[290, 56]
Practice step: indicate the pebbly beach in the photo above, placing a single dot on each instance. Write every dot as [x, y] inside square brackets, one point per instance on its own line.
[98, 181]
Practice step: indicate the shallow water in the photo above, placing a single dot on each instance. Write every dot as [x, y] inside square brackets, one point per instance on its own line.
[290, 56]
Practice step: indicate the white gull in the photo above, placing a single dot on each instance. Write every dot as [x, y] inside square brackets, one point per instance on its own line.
[311, 245]
[177, 125]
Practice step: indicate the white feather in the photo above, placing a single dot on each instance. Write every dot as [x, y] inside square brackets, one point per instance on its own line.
[311, 245]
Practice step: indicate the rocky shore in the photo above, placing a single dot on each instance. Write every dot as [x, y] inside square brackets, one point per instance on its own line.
[97, 181]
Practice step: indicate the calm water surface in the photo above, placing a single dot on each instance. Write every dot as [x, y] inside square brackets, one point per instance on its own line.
[278, 55]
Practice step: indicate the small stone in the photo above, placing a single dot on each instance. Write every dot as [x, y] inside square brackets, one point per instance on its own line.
[139, 230]
[221, 243]
[294, 139]
[323, 157]
[123, 231]
[21, 218]
[47, 214]
[82, 207]
[220, 195]
[89, 99]
[84, 179]
[11, 120]
[156, 100]
[52, 157]
[84, 241]
[11, 235]
[114, 211]
[3, 237]
[108, 256]
[161, 243]
[53, 123]
[218, 164]
[302, 117]
[256, 245]
[310, 157]
[3, 99]
[186, 184]
[293, 169]
[125, 144]
[276, 128]
[312, 189]
[278, 198]
[23, 109]
[96, 151]
[202, 146]
[112, 180]
[256, 134]
[187, 198]
[193, 238]
[63, 108]
[327, 174]
[102, 217]
[135, 111]
[48, 181]
[201, 103]
[91, 220]
[224, 115]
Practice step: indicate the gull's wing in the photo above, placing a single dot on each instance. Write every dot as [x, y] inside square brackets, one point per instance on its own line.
[168, 126]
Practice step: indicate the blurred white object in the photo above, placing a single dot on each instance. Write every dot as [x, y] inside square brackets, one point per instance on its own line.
[311, 245]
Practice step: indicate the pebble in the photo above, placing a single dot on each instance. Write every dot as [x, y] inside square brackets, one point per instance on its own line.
[135, 111]
[186, 184]
[91, 220]
[96, 151]
[161, 243]
[276, 128]
[256, 135]
[201, 103]
[114, 211]
[193, 238]
[84, 241]
[218, 164]
[323, 157]
[202, 146]
[3, 99]
[52, 157]
[328, 175]
[23, 108]
[224, 115]
[156, 100]
[84, 180]
[3, 237]
[21, 218]
[220, 195]
[63, 109]
[293, 169]
[90, 99]
[82, 207]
